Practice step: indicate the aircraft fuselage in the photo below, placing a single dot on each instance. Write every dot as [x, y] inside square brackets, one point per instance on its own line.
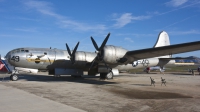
[46, 59]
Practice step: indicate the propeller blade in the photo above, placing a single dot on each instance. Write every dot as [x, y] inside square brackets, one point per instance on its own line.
[69, 52]
[92, 63]
[74, 51]
[98, 57]
[0, 56]
[104, 42]
[72, 61]
[95, 44]
[72, 55]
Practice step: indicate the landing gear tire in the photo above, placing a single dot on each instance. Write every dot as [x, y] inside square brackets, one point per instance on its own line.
[109, 75]
[14, 77]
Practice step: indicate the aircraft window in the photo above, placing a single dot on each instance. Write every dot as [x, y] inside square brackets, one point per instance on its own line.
[22, 50]
[45, 53]
[26, 51]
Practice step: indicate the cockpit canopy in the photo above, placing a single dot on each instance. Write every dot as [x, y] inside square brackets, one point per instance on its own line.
[18, 50]
[27, 50]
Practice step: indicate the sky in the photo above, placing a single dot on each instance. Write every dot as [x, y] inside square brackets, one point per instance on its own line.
[133, 24]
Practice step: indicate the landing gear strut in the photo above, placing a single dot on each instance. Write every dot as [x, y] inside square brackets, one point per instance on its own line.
[14, 76]
[103, 76]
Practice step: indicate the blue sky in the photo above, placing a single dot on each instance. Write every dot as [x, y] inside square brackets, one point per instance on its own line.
[133, 24]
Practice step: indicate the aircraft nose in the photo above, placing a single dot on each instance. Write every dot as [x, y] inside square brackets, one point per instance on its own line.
[8, 56]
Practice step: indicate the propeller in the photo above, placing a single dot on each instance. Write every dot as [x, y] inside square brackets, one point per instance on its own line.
[72, 55]
[99, 51]
[0, 57]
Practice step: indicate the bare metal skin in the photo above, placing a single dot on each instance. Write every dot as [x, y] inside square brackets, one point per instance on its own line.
[108, 60]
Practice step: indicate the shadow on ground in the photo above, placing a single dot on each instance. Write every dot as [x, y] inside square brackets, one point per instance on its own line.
[47, 78]
[139, 94]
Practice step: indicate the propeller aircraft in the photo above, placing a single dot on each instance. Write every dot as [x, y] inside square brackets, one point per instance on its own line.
[108, 60]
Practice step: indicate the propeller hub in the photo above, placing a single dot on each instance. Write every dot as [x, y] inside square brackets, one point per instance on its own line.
[99, 51]
[96, 52]
[73, 53]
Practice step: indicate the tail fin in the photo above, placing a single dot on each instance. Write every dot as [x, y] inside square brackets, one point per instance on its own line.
[163, 39]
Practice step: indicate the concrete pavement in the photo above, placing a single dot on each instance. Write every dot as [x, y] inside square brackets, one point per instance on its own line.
[15, 100]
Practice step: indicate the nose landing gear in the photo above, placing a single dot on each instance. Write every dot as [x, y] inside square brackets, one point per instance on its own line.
[14, 76]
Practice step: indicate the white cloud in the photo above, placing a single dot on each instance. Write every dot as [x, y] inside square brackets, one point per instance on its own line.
[137, 35]
[184, 32]
[178, 22]
[13, 36]
[127, 18]
[46, 8]
[176, 3]
[189, 4]
[25, 30]
[128, 39]
[42, 7]
[81, 26]
[26, 19]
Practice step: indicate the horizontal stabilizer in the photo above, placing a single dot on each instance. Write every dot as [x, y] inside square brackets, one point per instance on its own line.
[175, 58]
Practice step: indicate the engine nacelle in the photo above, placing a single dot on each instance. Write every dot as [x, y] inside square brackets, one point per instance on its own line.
[111, 54]
[84, 56]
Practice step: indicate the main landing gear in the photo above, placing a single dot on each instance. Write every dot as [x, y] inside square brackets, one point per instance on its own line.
[108, 75]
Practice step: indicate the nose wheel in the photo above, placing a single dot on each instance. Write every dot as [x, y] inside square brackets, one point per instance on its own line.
[14, 77]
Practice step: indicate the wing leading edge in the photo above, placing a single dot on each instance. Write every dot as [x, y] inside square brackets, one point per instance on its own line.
[162, 51]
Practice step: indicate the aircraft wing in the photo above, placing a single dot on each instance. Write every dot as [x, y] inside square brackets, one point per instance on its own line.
[162, 51]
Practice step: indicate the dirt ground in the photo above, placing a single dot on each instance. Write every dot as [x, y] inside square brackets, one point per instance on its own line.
[125, 93]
